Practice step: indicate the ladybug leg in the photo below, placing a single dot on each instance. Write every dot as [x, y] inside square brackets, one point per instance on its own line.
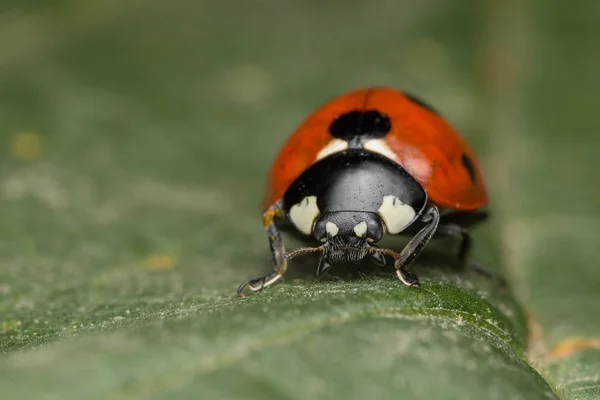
[456, 231]
[464, 252]
[456, 225]
[324, 266]
[415, 246]
[277, 252]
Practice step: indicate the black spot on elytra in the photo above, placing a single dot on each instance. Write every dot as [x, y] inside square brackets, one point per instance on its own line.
[421, 103]
[369, 124]
[468, 164]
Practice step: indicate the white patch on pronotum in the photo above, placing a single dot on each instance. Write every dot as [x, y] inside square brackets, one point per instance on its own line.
[334, 146]
[304, 213]
[379, 146]
[331, 229]
[396, 214]
[360, 229]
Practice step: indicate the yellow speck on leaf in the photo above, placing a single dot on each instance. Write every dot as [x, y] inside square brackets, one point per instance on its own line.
[570, 345]
[9, 325]
[161, 261]
[26, 146]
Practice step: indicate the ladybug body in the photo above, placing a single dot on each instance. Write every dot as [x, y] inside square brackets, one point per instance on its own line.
[371, 162]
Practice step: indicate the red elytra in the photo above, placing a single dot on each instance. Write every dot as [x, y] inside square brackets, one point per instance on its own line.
[421, 141]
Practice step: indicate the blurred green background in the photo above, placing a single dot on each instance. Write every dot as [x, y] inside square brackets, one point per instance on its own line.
[135, 137]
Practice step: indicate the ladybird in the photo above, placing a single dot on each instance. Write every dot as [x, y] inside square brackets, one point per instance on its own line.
[371, 162]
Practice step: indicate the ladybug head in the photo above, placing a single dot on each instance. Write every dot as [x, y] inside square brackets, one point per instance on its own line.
[346, 235]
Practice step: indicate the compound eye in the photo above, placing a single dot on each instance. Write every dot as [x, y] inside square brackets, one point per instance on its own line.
[320, 231]
[374, 230]
[371, 229]
[325, 229]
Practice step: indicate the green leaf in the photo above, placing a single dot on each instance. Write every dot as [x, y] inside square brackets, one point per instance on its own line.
[548, 208]
[135, 141]
[324, 331]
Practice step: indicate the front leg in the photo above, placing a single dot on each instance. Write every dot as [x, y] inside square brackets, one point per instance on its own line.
[277, 252]
[415, 246]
